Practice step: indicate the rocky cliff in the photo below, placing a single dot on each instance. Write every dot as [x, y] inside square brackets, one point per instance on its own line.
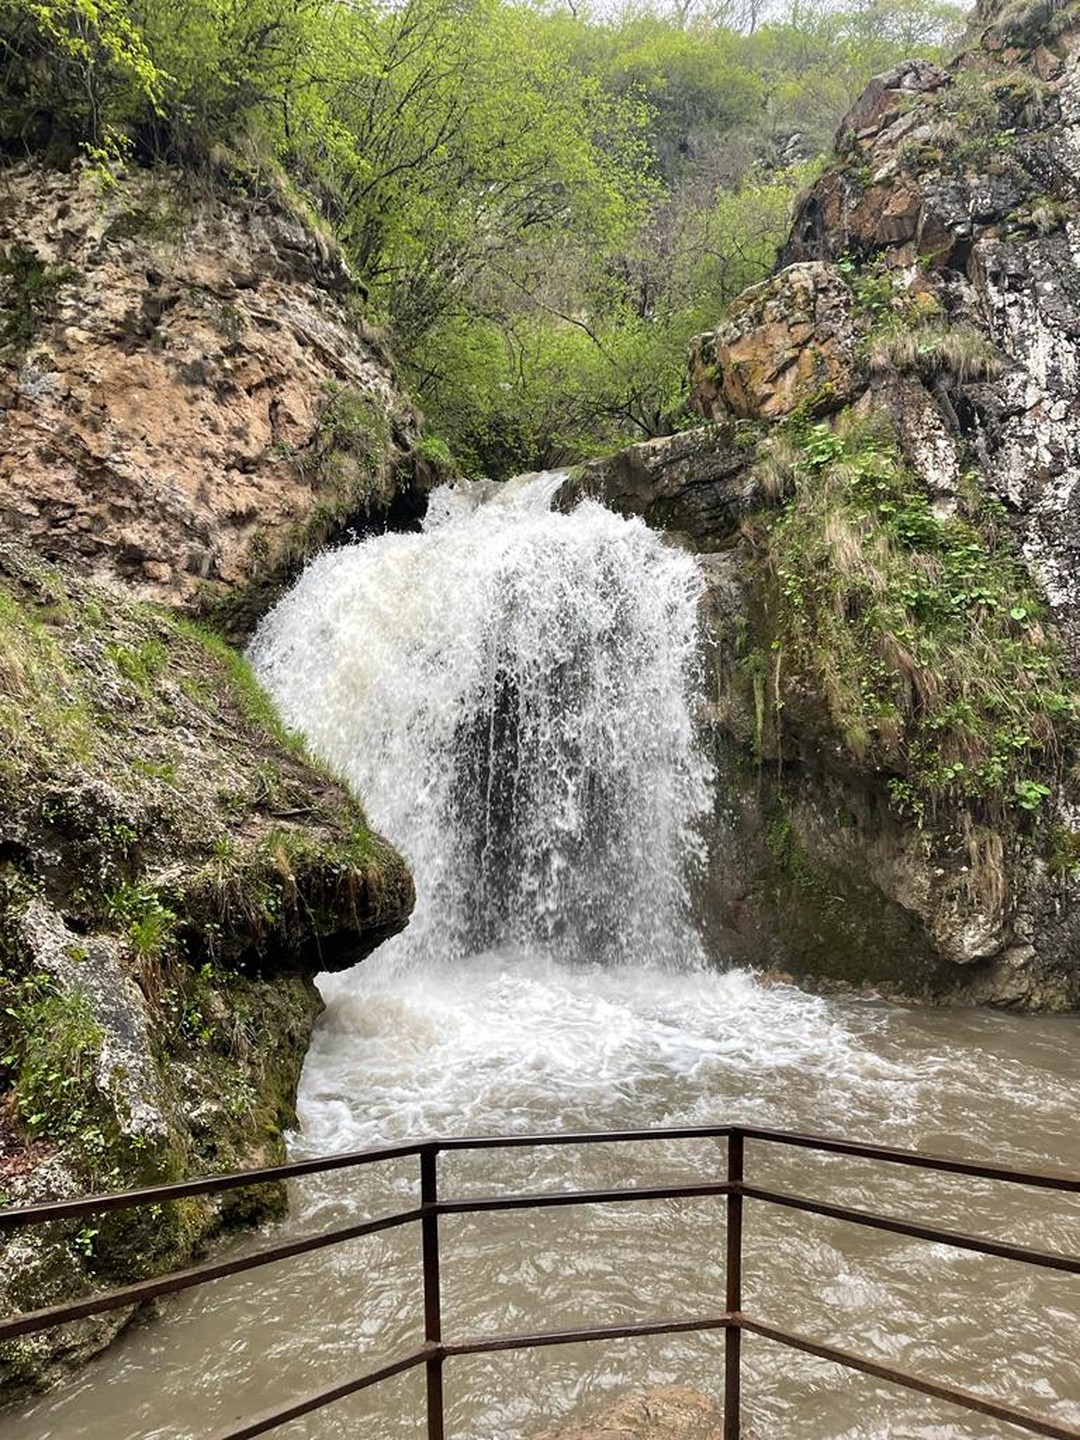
[190, 399]
[887, 497]
[189, 405]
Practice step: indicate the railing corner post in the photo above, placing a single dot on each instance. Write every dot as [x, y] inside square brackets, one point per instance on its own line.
[733, 1286]
[429, 1229]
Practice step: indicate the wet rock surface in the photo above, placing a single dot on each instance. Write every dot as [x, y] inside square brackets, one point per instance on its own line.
[697, 483]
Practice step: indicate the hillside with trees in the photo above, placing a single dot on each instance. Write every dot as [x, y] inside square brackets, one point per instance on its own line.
[540, 204]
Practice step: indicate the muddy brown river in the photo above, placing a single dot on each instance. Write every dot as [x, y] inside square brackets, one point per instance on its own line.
[510, 1042]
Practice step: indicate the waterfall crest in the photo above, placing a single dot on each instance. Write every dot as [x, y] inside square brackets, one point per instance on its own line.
[510, 692]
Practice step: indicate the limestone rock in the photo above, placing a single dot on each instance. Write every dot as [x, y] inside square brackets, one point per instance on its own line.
[697, 483]
[969, 183]
[186, 405]
[788, 343]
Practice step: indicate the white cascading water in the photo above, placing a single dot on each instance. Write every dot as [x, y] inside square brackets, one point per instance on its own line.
[511, 693]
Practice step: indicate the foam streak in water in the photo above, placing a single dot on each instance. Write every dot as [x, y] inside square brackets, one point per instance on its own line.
[510, 692]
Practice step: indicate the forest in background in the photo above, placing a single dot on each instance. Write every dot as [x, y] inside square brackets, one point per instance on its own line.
[540, 203]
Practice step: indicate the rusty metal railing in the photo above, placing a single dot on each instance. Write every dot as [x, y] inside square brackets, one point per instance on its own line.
[436, 1349]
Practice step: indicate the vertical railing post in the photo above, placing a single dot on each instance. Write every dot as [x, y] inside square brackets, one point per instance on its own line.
[733, 1299]
[429, 1231]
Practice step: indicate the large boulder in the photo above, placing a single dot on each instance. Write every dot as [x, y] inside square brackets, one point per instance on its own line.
[787, 344]
[697, 483]
[667, 1412]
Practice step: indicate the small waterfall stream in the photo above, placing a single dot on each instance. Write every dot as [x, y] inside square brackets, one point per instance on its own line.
[512, 693]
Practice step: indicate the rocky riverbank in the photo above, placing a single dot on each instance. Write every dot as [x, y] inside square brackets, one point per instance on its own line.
[188, 407]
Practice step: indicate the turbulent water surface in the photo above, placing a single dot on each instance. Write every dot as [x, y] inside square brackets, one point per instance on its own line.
[513, 691]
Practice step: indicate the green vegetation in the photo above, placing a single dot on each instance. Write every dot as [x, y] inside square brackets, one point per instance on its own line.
[52, 1043]
[349, 453]
[919, 637]
[540, 206]
[157, 804]
[29, 288]
[981, 117]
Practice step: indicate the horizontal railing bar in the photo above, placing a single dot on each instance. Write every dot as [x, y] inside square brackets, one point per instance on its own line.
[16, 1217]
[967, 1399]
[955, 1239]
[546, 1199]
[176, 1280]
[1042, 1179]
[271, 1419]
[585, 1137]
[482, 1345]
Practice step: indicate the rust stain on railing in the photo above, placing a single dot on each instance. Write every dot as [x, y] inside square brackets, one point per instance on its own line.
[436, 1349]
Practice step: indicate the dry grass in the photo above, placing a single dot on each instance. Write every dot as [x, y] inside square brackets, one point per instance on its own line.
[776, 465]
[959, 351]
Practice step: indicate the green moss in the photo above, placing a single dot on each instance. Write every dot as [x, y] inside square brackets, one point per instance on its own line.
[917, 641]
[1063, 851]
[351, 449]
[30, 288]
[830, 923]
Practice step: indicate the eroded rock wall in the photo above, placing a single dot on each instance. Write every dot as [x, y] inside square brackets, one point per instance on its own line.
[190, 405]
[190, 400]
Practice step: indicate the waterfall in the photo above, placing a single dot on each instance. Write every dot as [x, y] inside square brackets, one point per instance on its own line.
[510, 692]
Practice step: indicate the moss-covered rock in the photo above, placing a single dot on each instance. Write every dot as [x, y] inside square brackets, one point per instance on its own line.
[173, 871]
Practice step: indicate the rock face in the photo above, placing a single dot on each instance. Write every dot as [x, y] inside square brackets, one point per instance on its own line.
[188, 408]
[186, 402]
[964, 186]
[898, 428]
[173, 872]
[788, 344]
[697, 483]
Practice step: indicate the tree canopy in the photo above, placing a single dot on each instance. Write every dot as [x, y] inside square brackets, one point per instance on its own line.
[541, 204]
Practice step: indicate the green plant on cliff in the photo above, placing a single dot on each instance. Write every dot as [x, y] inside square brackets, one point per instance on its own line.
[919, 636]
[350, 449]
[30, 288]
[51, 1044]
